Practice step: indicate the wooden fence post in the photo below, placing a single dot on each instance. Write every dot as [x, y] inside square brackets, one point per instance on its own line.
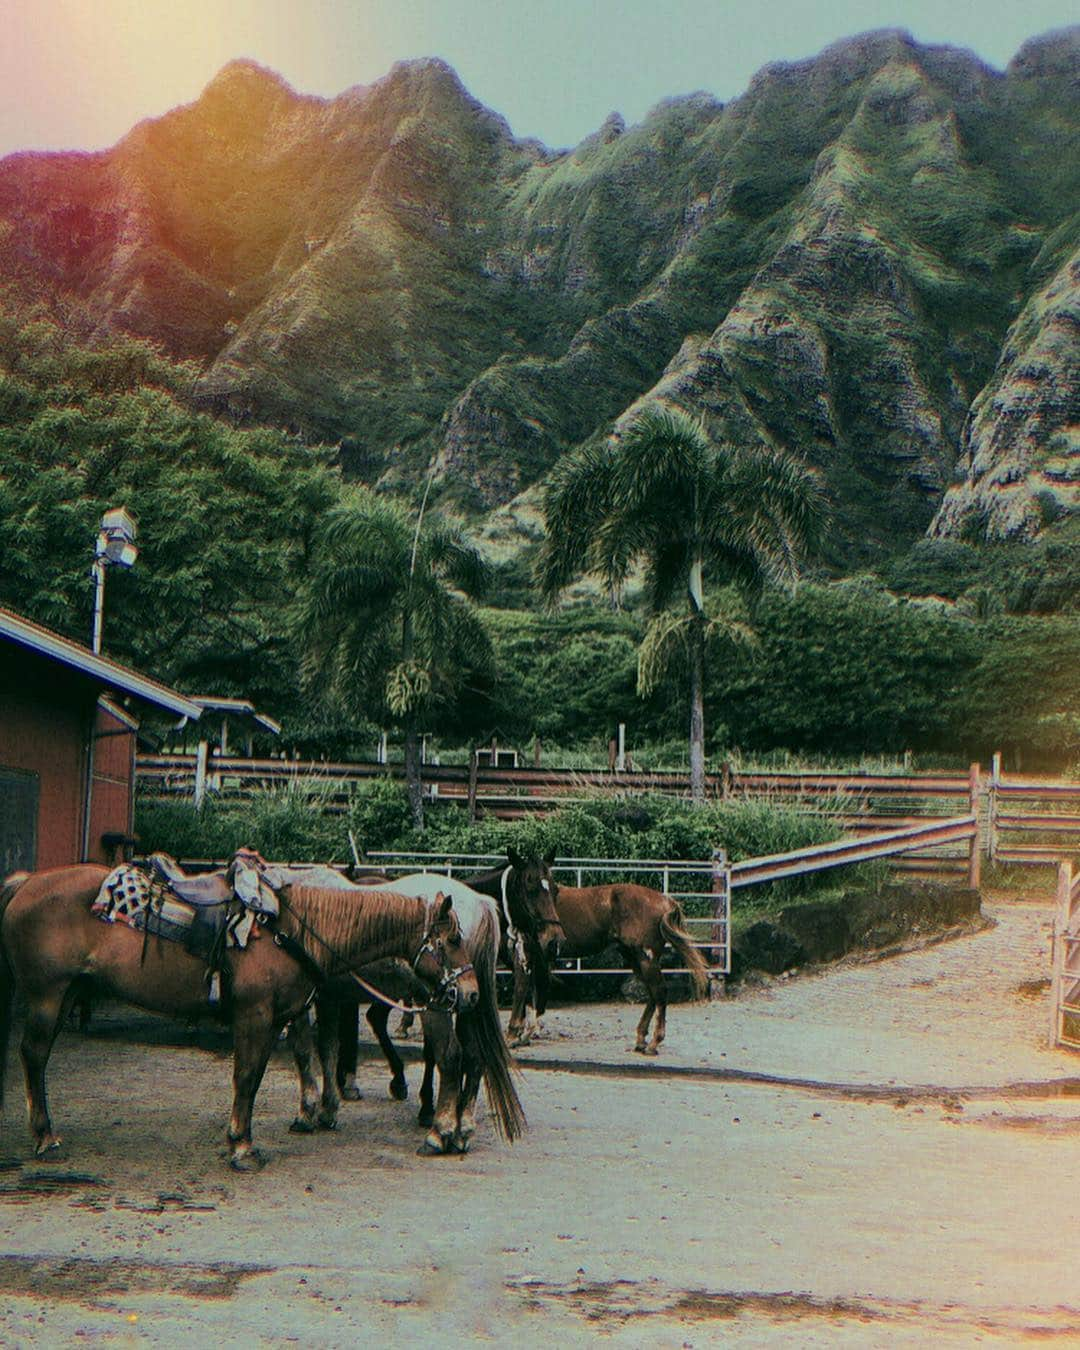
[474, 764]
[975, 853]
[201, 756]
[1058, 949]
[992, 816]
[721, 933]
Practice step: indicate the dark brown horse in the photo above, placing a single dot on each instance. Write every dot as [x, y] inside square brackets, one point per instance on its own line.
[49, 940]
[532, 934]
[640, 922]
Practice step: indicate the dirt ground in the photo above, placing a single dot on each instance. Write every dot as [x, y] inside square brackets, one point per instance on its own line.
[879, 1154]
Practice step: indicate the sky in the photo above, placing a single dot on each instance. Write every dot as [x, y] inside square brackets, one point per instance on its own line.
[78, 74]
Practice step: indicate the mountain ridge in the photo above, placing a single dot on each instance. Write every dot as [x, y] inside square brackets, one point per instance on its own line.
[867, 258]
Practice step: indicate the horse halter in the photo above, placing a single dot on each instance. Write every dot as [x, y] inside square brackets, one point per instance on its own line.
[444, 997]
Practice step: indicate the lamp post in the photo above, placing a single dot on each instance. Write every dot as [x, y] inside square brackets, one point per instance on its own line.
[115, 547]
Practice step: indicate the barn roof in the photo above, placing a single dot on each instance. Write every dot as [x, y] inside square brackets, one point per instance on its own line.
[109, 674]
[239, 707]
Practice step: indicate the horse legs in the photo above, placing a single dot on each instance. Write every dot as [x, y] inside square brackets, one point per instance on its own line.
[348, 1048]
[426, 1114]
[43, 1019]
[652, 977]
[301, 1040]
[471, 1079]
[443, 1047]
[515, 1032]
[378, 1018]
[254, 1035]
[326, 1029]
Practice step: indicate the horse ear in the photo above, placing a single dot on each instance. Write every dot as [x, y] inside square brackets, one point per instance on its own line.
[516, 860]
[549, 858]
[445, 904]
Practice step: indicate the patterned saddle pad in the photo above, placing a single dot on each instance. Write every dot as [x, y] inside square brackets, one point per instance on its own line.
[130, 896]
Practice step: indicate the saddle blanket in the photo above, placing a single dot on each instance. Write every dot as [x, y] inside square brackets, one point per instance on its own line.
[130, 896]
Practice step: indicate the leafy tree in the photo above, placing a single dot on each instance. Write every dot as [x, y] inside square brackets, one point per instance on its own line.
[663, 495]
[848, 668]
[224, 514]
[384, 619]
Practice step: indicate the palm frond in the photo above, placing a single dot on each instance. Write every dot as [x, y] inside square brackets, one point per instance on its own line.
[665, 634]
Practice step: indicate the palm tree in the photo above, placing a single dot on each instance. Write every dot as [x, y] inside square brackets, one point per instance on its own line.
[384, 619]
[663, 495]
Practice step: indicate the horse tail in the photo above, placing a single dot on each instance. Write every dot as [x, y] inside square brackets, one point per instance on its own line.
[482, 1036]
[7, 978]
[673, 929]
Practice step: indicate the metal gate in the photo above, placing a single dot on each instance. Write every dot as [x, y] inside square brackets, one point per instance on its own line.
[702, 889]
[1065, 982]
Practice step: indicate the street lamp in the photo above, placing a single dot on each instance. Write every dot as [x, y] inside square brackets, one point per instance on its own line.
[115, 547]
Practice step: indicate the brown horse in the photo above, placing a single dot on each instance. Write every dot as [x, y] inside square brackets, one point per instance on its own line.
[49, 940]
[640, 922]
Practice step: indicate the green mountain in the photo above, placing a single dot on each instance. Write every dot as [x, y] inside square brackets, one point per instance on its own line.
[871, 258]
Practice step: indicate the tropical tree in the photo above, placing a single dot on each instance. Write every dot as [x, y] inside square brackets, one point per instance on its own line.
[384, 619]
[661, 494]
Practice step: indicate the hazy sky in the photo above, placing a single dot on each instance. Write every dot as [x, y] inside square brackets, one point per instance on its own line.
[80, 73]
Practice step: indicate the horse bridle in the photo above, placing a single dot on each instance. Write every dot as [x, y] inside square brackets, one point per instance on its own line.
[446, 991]
[443, 997]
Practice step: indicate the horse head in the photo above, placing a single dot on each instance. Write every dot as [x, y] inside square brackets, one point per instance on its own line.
[443, 960]
[531, 893]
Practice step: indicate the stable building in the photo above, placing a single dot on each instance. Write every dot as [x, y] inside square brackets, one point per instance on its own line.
[68, 723]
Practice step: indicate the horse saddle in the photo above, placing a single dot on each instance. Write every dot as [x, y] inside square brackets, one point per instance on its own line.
[199, 891]
[243, 878]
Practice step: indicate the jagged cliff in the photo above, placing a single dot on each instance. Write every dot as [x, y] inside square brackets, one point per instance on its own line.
[870, 258]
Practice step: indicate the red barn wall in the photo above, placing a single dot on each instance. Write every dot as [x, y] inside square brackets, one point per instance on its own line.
[111, 803]
[46, 713]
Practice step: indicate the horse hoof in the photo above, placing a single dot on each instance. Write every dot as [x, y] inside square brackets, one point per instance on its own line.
[253, 1161]
[350, 1093]
[328, 1122]
[430, 1150]
[49, 1150]
[462, 1143]
[400, 1092]
[302, 1125]
[652, 1050]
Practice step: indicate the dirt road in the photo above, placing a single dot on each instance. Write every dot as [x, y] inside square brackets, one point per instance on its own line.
[895, 1193]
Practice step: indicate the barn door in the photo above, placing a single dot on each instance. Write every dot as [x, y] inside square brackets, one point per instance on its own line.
[18, 821]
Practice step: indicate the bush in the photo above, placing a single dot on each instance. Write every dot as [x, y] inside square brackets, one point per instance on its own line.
[293, 824]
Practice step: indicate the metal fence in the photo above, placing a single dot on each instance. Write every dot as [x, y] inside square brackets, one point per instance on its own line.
[1065, 962]
[711, 930]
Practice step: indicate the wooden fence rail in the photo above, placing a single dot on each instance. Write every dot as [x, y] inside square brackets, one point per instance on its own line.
[1021, 820]
[1048, 808]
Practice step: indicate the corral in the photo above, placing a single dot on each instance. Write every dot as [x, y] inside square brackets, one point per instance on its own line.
[871, 1154]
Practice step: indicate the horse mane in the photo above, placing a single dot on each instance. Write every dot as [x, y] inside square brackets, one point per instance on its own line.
[340, 925]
